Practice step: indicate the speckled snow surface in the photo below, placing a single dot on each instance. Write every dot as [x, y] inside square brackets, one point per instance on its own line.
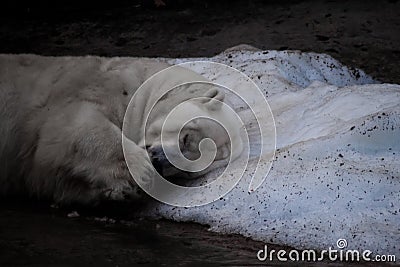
[337, 171]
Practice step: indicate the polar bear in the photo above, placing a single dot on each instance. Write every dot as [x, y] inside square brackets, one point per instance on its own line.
[61, 121]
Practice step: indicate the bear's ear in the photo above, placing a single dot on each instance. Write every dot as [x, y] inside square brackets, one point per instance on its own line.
[213, 99]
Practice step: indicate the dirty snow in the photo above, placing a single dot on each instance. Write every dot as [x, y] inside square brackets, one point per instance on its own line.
[336, 172]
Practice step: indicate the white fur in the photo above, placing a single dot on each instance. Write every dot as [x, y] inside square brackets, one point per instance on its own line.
[61, 122]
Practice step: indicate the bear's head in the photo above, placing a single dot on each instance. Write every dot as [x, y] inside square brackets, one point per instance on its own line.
[178, 138]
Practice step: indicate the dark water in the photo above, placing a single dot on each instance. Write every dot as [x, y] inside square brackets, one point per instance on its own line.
[37, 235]
[34, 234]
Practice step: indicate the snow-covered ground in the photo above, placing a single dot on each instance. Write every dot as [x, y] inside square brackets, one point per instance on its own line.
[336, 173]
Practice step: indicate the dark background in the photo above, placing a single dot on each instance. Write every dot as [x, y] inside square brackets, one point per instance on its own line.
[364, 34]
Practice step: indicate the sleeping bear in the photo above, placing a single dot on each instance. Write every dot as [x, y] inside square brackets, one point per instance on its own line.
[61, 127]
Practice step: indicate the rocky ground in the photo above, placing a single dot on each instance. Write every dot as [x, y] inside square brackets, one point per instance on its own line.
[363, 34]
[359, 33]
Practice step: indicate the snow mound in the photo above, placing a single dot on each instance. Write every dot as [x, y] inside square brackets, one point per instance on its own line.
[336, 173]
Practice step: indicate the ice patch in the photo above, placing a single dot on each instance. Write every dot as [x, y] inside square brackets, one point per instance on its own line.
[336, 173]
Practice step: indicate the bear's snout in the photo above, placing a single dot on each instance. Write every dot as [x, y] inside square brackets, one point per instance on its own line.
[158, 158]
